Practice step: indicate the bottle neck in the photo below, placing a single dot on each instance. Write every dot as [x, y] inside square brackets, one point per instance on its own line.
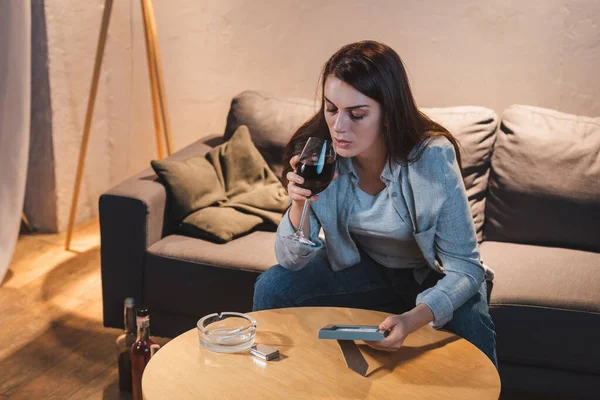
[129, 321]
[143, 324]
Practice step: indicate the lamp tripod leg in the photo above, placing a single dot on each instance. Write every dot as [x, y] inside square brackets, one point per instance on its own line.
[26, 221]
[88, 117]
[151, 56]
[159, 75]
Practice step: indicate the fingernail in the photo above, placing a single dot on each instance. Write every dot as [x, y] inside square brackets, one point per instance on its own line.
[300, 180]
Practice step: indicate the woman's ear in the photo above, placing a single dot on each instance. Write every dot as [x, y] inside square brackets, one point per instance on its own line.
[385, 125]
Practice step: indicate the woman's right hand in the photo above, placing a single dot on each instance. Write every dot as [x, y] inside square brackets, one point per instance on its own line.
[296, 192]
[298, 195]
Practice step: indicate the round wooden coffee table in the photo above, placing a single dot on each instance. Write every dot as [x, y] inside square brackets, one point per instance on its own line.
[432, 364]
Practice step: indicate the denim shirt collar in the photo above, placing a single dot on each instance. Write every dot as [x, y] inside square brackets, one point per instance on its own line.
[389, 174]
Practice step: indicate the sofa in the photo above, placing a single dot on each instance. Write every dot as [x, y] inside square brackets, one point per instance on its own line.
[533, 182]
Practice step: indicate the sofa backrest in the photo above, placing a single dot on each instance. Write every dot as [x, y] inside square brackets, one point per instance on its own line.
[545, 180]
[475, 129]
[273, 120]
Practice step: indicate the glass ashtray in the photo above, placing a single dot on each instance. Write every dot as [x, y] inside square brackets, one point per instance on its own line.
[228, 332]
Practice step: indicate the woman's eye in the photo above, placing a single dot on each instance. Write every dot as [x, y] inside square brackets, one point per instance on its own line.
[352, 116]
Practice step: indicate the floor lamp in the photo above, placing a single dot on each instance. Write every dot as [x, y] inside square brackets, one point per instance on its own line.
[159, 103]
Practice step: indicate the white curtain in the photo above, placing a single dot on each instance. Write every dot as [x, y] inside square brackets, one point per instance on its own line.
[15, 84]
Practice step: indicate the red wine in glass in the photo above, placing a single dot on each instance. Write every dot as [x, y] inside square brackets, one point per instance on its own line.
[317, 167]
[316, 176]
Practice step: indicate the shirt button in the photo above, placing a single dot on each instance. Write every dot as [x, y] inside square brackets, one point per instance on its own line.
[395, 194]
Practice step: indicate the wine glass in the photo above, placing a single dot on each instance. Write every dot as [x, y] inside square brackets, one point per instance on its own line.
[317, 167]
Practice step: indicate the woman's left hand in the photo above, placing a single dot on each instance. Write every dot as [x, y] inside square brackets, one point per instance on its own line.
[399, 329]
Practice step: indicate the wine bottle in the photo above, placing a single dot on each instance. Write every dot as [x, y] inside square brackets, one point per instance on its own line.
[141, 351]
[124, 343]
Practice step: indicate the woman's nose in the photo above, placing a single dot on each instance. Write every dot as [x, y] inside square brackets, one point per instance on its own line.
[338, 126]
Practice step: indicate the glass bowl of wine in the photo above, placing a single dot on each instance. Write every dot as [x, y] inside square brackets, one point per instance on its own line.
[316, 165]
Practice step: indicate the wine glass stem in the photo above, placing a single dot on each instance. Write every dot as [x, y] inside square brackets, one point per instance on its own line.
[304, 209]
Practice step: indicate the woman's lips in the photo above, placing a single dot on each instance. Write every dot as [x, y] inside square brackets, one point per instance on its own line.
[343, 144]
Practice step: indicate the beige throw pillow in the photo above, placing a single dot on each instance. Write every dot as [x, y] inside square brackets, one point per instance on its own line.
[225, 194]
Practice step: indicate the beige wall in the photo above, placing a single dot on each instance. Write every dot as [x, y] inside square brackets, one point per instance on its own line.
[461, 52]
[72, 34]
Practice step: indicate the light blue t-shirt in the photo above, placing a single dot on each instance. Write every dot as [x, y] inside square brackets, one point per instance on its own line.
[381, 233]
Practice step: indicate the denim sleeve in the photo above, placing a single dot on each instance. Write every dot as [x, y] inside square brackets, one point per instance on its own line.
[455, 246]
[294, 255]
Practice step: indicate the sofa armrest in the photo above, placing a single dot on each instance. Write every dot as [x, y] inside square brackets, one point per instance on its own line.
[133, 216]
[131, 219]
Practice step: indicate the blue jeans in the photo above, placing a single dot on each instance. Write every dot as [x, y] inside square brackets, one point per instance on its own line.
[370, 286]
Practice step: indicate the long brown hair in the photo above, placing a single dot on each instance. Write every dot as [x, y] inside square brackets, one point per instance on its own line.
[376, 71]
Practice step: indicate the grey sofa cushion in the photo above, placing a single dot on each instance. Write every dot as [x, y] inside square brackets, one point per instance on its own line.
[475, 129]
[545, 180]
[545, 305]
[271, 120]
[193, 277]
[254, 252]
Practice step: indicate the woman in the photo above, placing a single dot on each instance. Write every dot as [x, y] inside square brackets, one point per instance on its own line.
[399, 235]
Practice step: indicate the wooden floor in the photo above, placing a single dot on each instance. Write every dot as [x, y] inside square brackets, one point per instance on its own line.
[52, 342]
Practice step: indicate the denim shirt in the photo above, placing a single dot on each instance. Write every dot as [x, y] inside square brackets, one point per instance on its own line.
[434, 203]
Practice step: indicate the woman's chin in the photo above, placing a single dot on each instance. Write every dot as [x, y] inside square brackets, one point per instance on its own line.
[346, 153]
